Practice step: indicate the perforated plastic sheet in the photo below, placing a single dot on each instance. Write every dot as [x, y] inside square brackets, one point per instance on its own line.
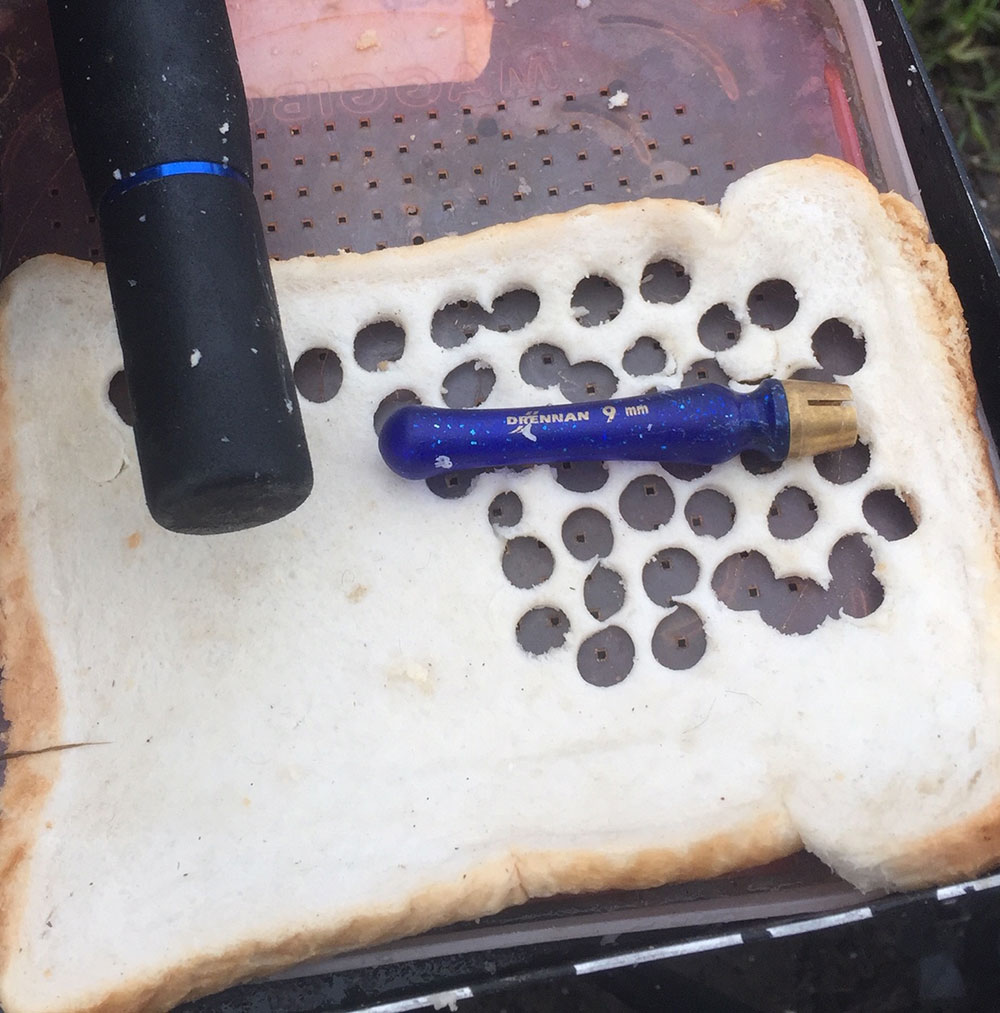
[394, 154]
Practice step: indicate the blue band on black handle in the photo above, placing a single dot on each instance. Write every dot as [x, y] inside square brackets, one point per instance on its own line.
[155, 172]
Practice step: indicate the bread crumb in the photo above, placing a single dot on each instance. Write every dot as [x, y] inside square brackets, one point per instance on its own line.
[195, 357]
[357, 593]
[414, 672]
[446, 1000]
[224, 128]
[619, 100]
[583, 4]
[133, 540]
[366, 40]
[436, 33]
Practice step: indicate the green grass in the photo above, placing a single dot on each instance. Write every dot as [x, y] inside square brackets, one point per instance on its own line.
[960, 43]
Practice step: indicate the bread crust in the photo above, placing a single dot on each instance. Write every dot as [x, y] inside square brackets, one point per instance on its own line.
[973, 845]
[485, 891]
[29, 693]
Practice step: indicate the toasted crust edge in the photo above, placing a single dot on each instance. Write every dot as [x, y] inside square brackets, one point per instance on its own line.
[487, 890]
[972, 845]
[29, 692]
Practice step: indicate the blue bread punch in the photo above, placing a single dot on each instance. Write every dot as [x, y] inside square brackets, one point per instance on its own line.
[705, 424]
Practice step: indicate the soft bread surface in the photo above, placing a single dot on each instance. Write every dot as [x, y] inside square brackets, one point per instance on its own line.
[323, 733]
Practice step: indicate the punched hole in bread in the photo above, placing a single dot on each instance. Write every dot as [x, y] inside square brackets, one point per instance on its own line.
[679, 640]
[120, 398]
[646, 503]
[843, 466]
[838, 348]
[718, 328]
[792, 513]
[455, 323]
[794, 605]
[452, 484]
[587, 381]
[541, 630]
[737, 580]
[710, 512]
[587, 534]
[603, 592]
[705, 371]
[646, 357]
[606, 657]
[527, 561]
[756, 463]
[379, 344]
[815, 373]
[664, 281]
[773, 304]
[596, 300]
[581, 476]
[468, 385]
[389, 404]
[685, 472]
[890, 513]
[513, 310]
[669, 574]
[506, 510]
[745, 581]
[318, 375]
[854, 588]
[543, 365]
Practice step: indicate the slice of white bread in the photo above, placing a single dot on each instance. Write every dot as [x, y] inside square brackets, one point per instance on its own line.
[228, 754]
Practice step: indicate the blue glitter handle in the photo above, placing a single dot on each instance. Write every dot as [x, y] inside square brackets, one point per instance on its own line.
[694, 425]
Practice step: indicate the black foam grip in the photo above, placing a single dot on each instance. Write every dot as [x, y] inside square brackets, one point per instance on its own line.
[218, 431]
[217, 424]
[147, 82]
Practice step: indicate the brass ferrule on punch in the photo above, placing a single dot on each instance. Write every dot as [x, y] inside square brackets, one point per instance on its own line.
[821, 417]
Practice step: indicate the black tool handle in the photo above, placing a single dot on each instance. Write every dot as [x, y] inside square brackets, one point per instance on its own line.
[159, 122]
